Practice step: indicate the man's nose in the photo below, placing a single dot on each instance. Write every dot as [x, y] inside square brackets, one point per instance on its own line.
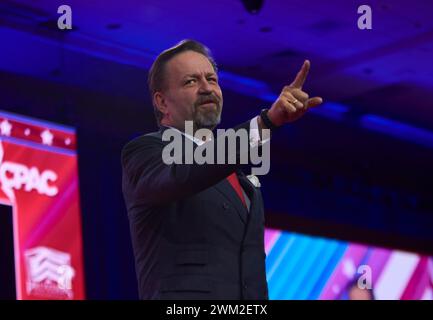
[205, 87]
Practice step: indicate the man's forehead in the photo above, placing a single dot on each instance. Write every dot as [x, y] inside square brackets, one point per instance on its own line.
[190, 62]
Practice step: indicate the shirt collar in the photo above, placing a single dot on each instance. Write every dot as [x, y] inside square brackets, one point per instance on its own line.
[192, 138]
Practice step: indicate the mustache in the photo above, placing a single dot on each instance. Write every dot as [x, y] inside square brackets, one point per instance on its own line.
[207, 99]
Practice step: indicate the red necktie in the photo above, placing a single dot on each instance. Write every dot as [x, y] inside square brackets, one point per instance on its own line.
[234, 181]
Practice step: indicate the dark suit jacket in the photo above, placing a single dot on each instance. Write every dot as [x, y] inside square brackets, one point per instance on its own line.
[192, 236]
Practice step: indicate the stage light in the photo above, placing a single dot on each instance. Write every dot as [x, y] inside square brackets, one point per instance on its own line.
[253, 6]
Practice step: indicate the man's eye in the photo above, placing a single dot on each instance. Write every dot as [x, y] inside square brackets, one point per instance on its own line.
[189, 81]
[212, 79]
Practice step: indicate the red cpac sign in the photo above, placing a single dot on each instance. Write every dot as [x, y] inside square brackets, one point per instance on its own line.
[39, 188]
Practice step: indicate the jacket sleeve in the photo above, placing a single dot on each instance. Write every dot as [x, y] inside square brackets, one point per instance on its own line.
[148, 180]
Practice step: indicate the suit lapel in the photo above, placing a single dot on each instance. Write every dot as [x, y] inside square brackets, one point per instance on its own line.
[252, 191]
[227, 190]
[246, 185]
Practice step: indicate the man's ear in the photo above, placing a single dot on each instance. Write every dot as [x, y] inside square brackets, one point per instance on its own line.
[159, 101]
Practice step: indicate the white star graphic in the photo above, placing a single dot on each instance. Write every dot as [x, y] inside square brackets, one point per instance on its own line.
[27, 131]
[67, 141]
[47, 137]
[349, 268]
[5, 128]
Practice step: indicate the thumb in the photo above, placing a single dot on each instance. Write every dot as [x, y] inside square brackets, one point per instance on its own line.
[314, 102]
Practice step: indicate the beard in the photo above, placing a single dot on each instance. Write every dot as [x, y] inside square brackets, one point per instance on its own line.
[207, 116]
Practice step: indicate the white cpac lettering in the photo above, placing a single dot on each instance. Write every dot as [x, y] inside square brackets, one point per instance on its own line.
[17, 176]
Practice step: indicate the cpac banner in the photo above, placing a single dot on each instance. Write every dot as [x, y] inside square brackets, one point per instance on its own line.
[39, 190]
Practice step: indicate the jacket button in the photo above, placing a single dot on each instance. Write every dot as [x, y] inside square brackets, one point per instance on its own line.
[225, 205]
[245, 286]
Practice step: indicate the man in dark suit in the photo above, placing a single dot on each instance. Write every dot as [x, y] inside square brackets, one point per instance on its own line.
[198, 229]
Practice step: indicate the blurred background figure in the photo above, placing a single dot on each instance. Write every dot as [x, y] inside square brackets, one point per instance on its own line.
[354, 292]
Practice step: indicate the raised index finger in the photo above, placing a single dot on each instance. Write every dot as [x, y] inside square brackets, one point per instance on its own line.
[301, 76]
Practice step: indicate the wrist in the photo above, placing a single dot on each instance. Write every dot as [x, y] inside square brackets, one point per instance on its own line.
[265, 120]
[273, 117]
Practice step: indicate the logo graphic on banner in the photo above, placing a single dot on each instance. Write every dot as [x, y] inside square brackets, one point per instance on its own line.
[49, 272]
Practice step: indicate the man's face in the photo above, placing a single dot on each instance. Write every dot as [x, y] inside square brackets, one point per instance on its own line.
[192, 92]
